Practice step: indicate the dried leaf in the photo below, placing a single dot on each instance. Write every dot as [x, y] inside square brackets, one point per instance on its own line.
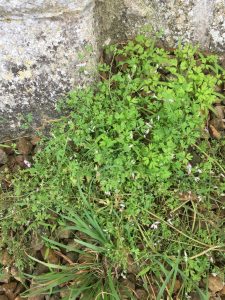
[215, 283]
[214, 132]
[187, 196]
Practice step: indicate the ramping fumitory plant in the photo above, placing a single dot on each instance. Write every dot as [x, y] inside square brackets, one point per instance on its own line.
[135, 148]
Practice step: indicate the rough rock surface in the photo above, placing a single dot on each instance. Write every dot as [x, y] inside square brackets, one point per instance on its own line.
[40, 55]
[44, 45]
[197, 21]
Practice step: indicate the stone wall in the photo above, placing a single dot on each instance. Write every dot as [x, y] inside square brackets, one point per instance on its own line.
[41, 54]
[197, 21]
[45, 45]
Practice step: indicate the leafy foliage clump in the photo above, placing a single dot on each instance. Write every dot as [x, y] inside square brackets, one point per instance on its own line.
[135, 149]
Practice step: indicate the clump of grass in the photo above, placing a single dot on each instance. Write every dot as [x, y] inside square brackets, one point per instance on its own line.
[134, 147]
[93, 278]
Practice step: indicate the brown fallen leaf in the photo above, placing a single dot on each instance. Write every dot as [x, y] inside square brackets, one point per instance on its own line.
[120, 58]
[218, 88]
[218, 123]
[19, 289]
[215, 283]
[16, 274]
[219, 110]
[176, 287]
[214, 132]
[24, 146]
[35, 139]
[49, 255]
[8, 289]
[141, 294]
[40, 297]
[5, 276]
[132, 266]
[6, 259]
[222, 292]
[3, 297]
[125, 287]
[187, 196]
[195, 296]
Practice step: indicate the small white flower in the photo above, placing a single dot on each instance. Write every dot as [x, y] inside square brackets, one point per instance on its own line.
[214, 274]
[155, 225]
[211, 259]
[170, 221]
[189, 168]
[122, 207]
[199, 198]
[197, 179]
[148, 124]
[146, 132]
[158, 118]
[156, 243]
[199, 171]
[133, 176]
[222, 195]
[107, 193]
[27, 163]
[124, 274]
[187, 296]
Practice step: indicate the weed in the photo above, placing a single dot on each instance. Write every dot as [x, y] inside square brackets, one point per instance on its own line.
[92, 279]
[134, 148]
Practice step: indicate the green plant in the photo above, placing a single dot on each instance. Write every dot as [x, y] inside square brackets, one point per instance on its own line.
[134, 147]
[91, 278]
